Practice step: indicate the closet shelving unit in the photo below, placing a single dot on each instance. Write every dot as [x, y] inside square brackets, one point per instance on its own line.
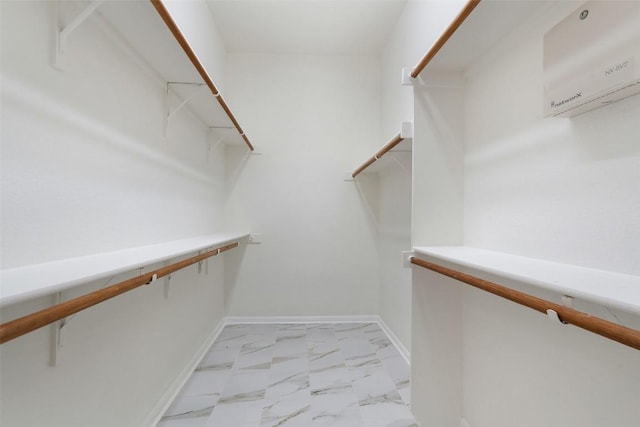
[28, 282]
[457, 49]
[150, 31]
[400, 144]
[32, 281]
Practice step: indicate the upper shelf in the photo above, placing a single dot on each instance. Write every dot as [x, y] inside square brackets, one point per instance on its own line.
[32, 281]
[152, 33]
[474, 31]
[615, 290]
[401, 143]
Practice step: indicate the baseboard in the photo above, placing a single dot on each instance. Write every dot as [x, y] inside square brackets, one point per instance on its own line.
[395, 341]
[302, 319]
[325, 319]
[168, 397]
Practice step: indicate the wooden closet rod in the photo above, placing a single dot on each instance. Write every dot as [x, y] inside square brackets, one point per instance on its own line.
[446, 35]
[33, 321]
[384, 150]
[181, 39]
[613, 331]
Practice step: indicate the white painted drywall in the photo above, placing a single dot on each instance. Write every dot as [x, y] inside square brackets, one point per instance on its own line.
[416, 29]
[557, 189]
[195, 20]
[314, 119]
[86, 169]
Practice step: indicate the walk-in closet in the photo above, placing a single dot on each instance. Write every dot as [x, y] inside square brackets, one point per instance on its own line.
[301, 213]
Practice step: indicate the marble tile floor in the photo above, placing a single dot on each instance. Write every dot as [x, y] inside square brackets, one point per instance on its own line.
[296, 375]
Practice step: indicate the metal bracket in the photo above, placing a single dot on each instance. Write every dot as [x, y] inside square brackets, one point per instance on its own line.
[406, 258]
[56, 329]
[62, 33]
[406, 79]
[168, 111]
[167, 282]
[566, 301]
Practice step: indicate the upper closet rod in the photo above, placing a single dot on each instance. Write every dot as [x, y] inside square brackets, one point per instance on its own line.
[466, 11]
[613, 331]
[173, 27]
[33, 321]
[384, 150]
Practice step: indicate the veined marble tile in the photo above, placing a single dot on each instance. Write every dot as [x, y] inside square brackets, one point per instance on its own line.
[336, 410]
[287, 382]
[386, 414]
[207, 382]
[375, 383]
[398, 370]
[236, 414]
[330, 381]
[219, 359]
[287, 413]
[245, 386]
[355, 347]
[294, 345]
[382, 346]
[188, 422]
[297, 375]
[188, 407]
[324, 355]
[256, 353]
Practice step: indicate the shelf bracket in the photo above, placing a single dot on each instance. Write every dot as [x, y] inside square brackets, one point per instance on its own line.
[167, 282]
[170, 112]
[406, 258]
[62, 33]
[56, 329]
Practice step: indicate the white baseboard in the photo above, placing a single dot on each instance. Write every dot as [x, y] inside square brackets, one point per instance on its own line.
[168, 397]
[395, 341]
[301, 319]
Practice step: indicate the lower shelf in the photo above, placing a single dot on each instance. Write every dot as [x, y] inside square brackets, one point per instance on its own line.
[610, 289]
[32, 281]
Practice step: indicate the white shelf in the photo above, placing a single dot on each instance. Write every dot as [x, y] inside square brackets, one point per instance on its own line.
[615, 290]
[480, 31]
[32, 281]
[143, 29]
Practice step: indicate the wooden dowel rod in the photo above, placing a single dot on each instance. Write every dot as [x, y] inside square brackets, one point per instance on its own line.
[613, 331]
[33, 321]
[182, 41]
[384, 150]
[446, 35]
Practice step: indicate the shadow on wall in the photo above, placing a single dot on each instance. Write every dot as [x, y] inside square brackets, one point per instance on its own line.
[232, 261]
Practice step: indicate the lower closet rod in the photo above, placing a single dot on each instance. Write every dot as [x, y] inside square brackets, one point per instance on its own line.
[613, 331]
[33, 321]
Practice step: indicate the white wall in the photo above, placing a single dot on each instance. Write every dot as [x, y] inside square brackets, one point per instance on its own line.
[86, 169]
[565, 190]
[314, 119]
[196, 23]
[557, 189]
[419, 25]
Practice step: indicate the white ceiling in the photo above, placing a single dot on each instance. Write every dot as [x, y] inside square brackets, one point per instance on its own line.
[328, 27]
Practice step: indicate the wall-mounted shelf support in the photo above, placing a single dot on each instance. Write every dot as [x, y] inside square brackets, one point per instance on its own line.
[168, 111]
[406, 132]
[56, 329]
[63, 33]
